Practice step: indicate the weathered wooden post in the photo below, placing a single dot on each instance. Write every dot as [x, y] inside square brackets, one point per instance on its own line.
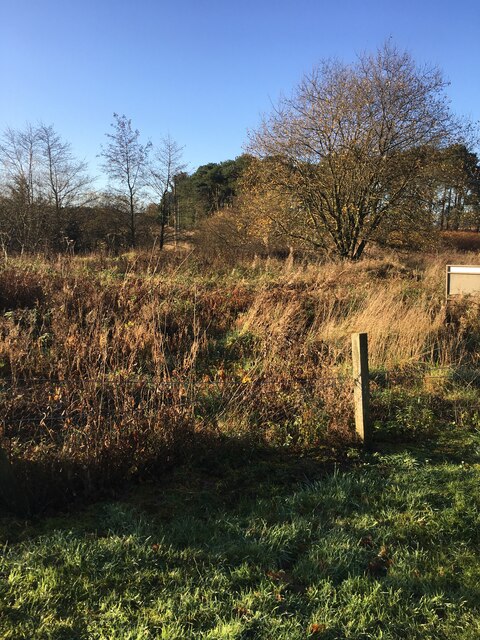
[361, 386]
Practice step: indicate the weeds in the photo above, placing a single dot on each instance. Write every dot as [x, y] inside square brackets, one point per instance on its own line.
[114, 368]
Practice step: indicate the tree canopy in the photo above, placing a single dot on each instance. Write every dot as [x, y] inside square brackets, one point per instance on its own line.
[346, 150]
[210, 188]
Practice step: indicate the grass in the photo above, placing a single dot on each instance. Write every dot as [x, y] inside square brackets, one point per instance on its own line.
[113, 367]
[386, 546]
[180, 438]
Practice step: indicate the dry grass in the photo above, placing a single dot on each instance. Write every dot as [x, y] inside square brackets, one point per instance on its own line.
[461, 240]
[119, 367]
[402, 308]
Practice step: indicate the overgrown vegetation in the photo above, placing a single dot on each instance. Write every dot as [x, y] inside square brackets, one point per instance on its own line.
[117, 368]
[203, 408]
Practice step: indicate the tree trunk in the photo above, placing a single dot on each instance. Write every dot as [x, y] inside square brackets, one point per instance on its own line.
[163, 219]
[132, 223]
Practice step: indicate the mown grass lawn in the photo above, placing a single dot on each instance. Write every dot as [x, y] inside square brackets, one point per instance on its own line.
[383, 546]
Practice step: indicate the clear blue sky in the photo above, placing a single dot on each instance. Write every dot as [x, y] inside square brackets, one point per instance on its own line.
[204, 70]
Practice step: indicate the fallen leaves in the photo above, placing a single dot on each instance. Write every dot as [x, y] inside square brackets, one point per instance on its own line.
[378, 567]
[315, 630]
[286, 579]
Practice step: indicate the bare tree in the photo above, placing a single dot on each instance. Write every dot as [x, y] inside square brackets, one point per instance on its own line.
[66, 179]
[167, 164]
[20, 151]
[346, 149]
[20, 159]
[42, 178]
[126, 164]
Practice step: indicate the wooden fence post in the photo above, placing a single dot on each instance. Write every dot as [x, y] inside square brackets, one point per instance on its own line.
[361, 384]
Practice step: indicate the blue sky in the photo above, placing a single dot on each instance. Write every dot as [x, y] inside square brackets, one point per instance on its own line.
[204, 71]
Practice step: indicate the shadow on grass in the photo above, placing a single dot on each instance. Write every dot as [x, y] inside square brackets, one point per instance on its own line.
[260, 537]
[32, 488]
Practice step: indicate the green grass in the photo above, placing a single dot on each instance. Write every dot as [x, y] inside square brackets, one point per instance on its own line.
[276, 547]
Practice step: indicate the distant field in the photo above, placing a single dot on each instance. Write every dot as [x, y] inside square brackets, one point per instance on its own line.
[203, 409]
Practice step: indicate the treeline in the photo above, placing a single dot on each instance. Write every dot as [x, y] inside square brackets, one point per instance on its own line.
[361, 153]
[454, 189]
[48, 201]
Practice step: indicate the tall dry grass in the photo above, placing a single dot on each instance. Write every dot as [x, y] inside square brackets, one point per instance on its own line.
[118, 367]
[401, 307]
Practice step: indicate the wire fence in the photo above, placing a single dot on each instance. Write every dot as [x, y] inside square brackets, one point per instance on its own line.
[418, 394]
[49, 401]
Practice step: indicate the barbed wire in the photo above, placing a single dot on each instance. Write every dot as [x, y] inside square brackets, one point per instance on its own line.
[181, 395]
[144, 383]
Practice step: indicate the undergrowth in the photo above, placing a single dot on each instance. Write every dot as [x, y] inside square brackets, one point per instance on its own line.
[124, 367]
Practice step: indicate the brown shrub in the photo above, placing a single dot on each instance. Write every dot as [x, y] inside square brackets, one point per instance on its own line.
[461, 240]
